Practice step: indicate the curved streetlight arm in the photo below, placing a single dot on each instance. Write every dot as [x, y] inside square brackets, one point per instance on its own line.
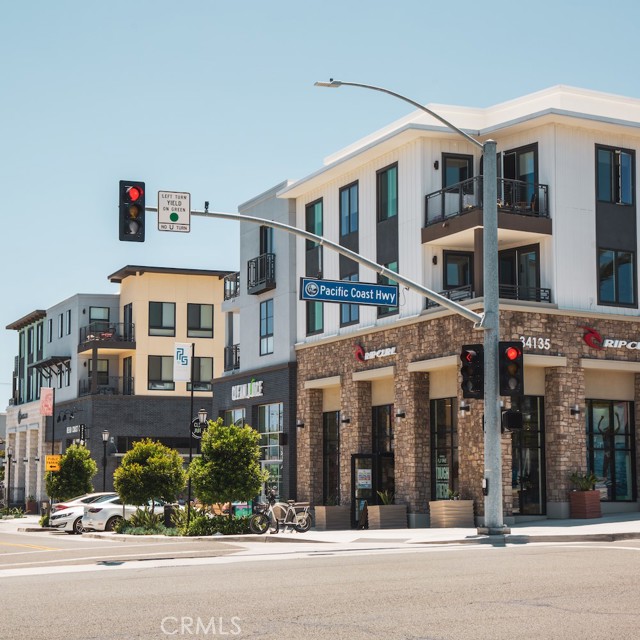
[338, 83]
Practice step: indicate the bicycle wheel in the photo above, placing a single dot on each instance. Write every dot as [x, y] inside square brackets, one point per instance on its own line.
[302, 522]
[259, 523]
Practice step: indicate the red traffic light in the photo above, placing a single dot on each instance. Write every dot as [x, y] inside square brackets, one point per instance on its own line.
[469, 355]
[134, 193]
[512, 353]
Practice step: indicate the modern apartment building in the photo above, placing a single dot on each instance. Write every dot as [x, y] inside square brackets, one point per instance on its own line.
[258, 386]
[109, 359]
[379, 387]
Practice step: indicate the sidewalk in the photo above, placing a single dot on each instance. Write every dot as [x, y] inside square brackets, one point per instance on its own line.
[608, 528]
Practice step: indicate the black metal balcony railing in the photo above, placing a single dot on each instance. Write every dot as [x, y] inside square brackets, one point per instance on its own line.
[505, 291]
[457, 295]
[530, 294]
[108, 332]
[107, 386]
[514, 196]
[232, 285]
[232, 357]
[261, 273]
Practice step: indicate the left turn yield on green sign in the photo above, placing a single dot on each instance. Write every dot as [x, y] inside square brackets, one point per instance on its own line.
[174, 211]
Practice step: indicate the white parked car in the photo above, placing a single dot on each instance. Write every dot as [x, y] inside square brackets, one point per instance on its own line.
[103, 515]
[69, 519]
[81, 500]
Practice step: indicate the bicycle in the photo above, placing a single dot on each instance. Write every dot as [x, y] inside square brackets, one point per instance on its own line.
[274, 514]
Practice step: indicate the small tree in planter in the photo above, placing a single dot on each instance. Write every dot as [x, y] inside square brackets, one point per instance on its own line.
[149, 470]
[584, 500]
[77, 468]
[387, 514]
[229, 468]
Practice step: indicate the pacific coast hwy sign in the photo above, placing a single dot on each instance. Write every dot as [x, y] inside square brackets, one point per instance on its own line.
[348, 292]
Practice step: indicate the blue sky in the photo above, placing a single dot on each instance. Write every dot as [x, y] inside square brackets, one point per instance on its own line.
[216, 98]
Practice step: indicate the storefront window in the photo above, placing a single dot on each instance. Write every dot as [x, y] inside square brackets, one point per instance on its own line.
[330, 458]
[382, 423]
[610, 448]
[270, 428]
[444, 448]
[234, 416]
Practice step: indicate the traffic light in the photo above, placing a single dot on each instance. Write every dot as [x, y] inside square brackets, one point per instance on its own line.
[472, 370]
[511, 364]
[131, 211]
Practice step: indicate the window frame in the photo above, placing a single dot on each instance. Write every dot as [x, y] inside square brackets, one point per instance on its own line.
[385, 310]
[616, 175]
[383, 206]
[201, 382]
[163, 329]
[634, 284]
[266, 322]
[467, 158]
[347, 310]
[318, 327]
[199, 331]
[349, 218]
[311, 222]
[168, 384]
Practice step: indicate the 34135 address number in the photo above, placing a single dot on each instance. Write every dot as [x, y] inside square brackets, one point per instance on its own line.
[531, 342]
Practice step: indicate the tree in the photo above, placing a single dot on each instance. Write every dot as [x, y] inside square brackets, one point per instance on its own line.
[229, 467]
[77, 468]
[149, 470]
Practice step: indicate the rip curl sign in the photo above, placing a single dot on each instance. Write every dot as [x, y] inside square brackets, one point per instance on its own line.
[596, 341]
[363, 356]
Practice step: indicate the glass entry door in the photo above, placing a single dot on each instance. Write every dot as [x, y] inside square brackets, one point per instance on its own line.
[519, 273]
[527, 448]
[362, 484]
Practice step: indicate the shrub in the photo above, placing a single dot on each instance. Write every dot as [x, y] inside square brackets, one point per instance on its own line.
[44, 520]
[203, 524]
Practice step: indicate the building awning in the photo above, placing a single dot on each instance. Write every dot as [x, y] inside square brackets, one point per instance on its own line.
[53, 365]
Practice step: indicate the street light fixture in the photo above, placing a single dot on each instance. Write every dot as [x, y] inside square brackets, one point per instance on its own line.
[201, 423]
[493, 515]
[105, 439]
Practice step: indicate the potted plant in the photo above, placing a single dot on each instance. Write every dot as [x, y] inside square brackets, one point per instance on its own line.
[30, 505]
[332, 516]
[454, 512]
[387, 514]
[584, 500]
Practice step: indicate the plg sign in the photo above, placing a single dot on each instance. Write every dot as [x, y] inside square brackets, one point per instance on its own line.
[348, 292]
[174, 211]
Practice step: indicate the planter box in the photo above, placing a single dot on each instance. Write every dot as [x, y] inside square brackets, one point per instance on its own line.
[451, 513]
[584, 504]
[335, 518]
[387, 516]
[31, 507]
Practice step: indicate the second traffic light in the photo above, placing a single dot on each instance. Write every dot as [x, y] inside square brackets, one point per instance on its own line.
[131, 211]
[472, 370]
[511, 365]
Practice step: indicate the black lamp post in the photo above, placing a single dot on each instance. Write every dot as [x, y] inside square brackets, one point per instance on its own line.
[200, 422]
[9, 456]
[105, 439]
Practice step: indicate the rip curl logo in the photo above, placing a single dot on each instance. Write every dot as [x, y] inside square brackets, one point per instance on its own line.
[592, 338]
[359, 353]
[363, 356]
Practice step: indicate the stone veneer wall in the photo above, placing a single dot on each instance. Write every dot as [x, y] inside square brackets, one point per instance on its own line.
[565, 438]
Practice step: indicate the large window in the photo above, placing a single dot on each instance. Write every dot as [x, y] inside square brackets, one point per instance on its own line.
[270, 428]
[349, 313]
[387, 193]
[386, 310]
[266, 327]
[199, 320]
[202, 374]
[458, 269]
[102, 371]
[315, 319]
[349, 209]
[331, 457]
[444, 449]
[162, 319]
[382, 447]
[615, 175]
[610, 448]
[616, 277]
[266, 240]
[161, 373]
[313, 221]
[456, 169]
[234, 416]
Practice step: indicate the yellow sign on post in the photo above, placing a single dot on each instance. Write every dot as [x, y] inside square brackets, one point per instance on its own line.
[52, 463]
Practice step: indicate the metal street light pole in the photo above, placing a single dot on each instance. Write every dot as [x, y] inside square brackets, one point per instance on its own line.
[9, 456]
[493, 514]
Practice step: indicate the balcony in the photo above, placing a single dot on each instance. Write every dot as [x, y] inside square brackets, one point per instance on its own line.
[107, 386]
[232, 286]
[107, 335]
[457, 295]
[261, 273]
[505, 291]
[232, 357]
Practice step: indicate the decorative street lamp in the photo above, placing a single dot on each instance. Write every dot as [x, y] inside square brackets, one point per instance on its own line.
[105, 439]
[195, 431]
[492, 482]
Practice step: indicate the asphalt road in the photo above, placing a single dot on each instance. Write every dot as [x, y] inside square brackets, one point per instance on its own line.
[581, 591]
